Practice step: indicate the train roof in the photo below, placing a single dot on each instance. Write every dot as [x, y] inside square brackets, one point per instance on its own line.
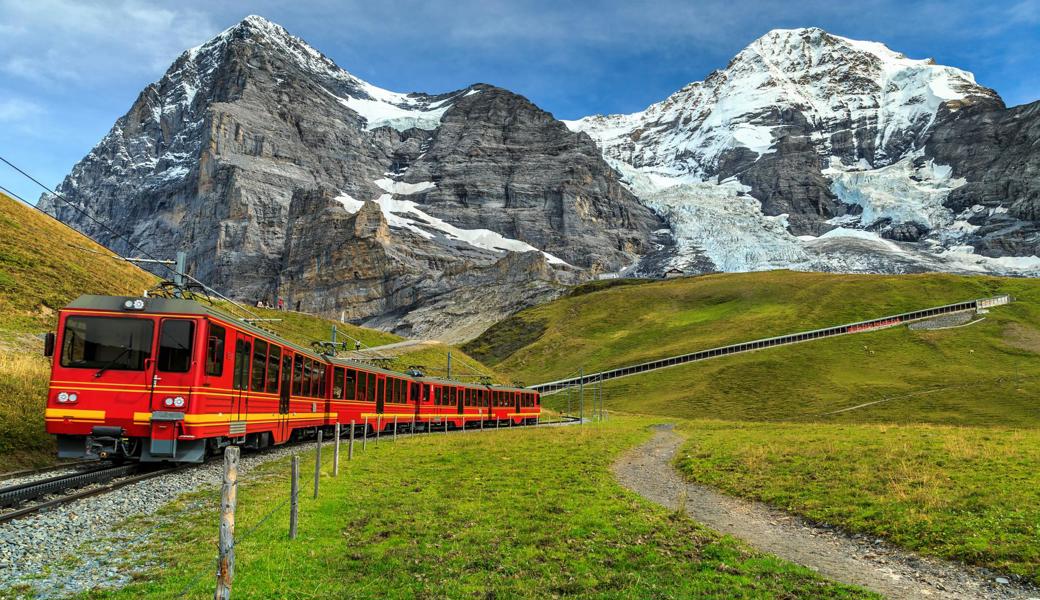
[356, 364]
[181, 306]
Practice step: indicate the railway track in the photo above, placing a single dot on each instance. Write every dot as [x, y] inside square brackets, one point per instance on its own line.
[30, 472]
[104, 479]
[552, 387]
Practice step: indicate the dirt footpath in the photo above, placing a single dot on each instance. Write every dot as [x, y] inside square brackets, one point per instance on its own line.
[648, 471]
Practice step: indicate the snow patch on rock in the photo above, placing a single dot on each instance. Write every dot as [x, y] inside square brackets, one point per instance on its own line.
[406, 214]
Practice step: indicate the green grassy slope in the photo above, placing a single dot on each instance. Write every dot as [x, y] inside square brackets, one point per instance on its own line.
[623, 325]
[983, 373]
[525, 513]
[45, 264]
[965, 493]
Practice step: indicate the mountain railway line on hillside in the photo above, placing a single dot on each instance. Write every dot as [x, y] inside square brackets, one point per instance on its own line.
[979, 304]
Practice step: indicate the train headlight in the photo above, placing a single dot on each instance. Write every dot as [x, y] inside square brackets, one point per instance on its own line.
[73, 397]
[168, 402]
[63, 397]
[178, 402]
[139, 304]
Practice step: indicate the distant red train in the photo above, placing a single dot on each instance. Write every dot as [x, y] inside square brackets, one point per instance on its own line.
[161, 379]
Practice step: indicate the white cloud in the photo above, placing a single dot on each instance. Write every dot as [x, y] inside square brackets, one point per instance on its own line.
[56, 42]
[15, 110]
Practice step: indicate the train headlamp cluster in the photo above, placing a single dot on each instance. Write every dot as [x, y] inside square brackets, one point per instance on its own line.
[67, 397]
[134, 304]
[174, 402]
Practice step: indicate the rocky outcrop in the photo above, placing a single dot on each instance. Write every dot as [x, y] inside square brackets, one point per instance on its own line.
[283, 175]
[997, 152]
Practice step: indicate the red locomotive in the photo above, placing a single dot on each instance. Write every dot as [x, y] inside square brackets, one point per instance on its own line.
[168, 379]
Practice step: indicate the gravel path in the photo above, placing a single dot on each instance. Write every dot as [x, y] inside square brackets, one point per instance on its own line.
[851, 559]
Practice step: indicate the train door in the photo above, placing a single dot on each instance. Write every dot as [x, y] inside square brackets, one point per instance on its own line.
[240, 386]
[172, 375]
[463, 400]
[380, 393]
[325, 391]
[284, 396]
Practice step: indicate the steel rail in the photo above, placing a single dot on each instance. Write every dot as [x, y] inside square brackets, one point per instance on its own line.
[42, 470]
[29, 510]
[16, 494]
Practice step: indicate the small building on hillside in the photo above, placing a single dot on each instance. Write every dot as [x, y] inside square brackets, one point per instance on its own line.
[673, 273]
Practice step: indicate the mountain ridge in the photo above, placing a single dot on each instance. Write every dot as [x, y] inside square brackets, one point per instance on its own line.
[286, 176]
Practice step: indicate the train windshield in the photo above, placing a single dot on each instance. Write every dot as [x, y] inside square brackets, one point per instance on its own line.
[106, 343]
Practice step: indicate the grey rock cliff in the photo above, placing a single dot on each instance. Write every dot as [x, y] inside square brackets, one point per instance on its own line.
[283, 175]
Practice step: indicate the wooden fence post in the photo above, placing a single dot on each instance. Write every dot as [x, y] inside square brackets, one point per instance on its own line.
[445, 425]
[226, 546]
[482, 419]
[294, 497]
[395, 428]
[335, 455]
[317, 465]
[350, 448]
[364, 436]
[379, 425]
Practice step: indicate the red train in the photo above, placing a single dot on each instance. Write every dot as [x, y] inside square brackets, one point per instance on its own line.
[161, 379]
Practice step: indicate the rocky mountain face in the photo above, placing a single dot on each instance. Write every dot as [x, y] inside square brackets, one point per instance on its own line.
[435, 215]
[283, 175]
[853, 157]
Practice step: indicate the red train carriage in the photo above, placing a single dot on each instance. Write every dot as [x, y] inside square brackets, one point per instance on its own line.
[159, 379]
[168, 379]
[371, 396]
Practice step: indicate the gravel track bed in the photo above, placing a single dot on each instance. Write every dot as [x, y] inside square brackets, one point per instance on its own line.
[854, 559]
[88, 543]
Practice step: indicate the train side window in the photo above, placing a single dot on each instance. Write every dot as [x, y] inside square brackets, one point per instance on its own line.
[176, 339]
[320, 369]
[351, 384]
[381, 391]
[297, 385]
[413, 389]
[241, 378]
[274, 357]
[337, 383]
[307, 376]
[437, 395]
[215, 350]
[371, 387]
[259, 365]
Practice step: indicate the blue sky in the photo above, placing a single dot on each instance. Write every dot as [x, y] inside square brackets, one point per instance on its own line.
[69, 68]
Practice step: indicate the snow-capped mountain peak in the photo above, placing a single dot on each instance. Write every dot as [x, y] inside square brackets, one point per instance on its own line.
[789, 82]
